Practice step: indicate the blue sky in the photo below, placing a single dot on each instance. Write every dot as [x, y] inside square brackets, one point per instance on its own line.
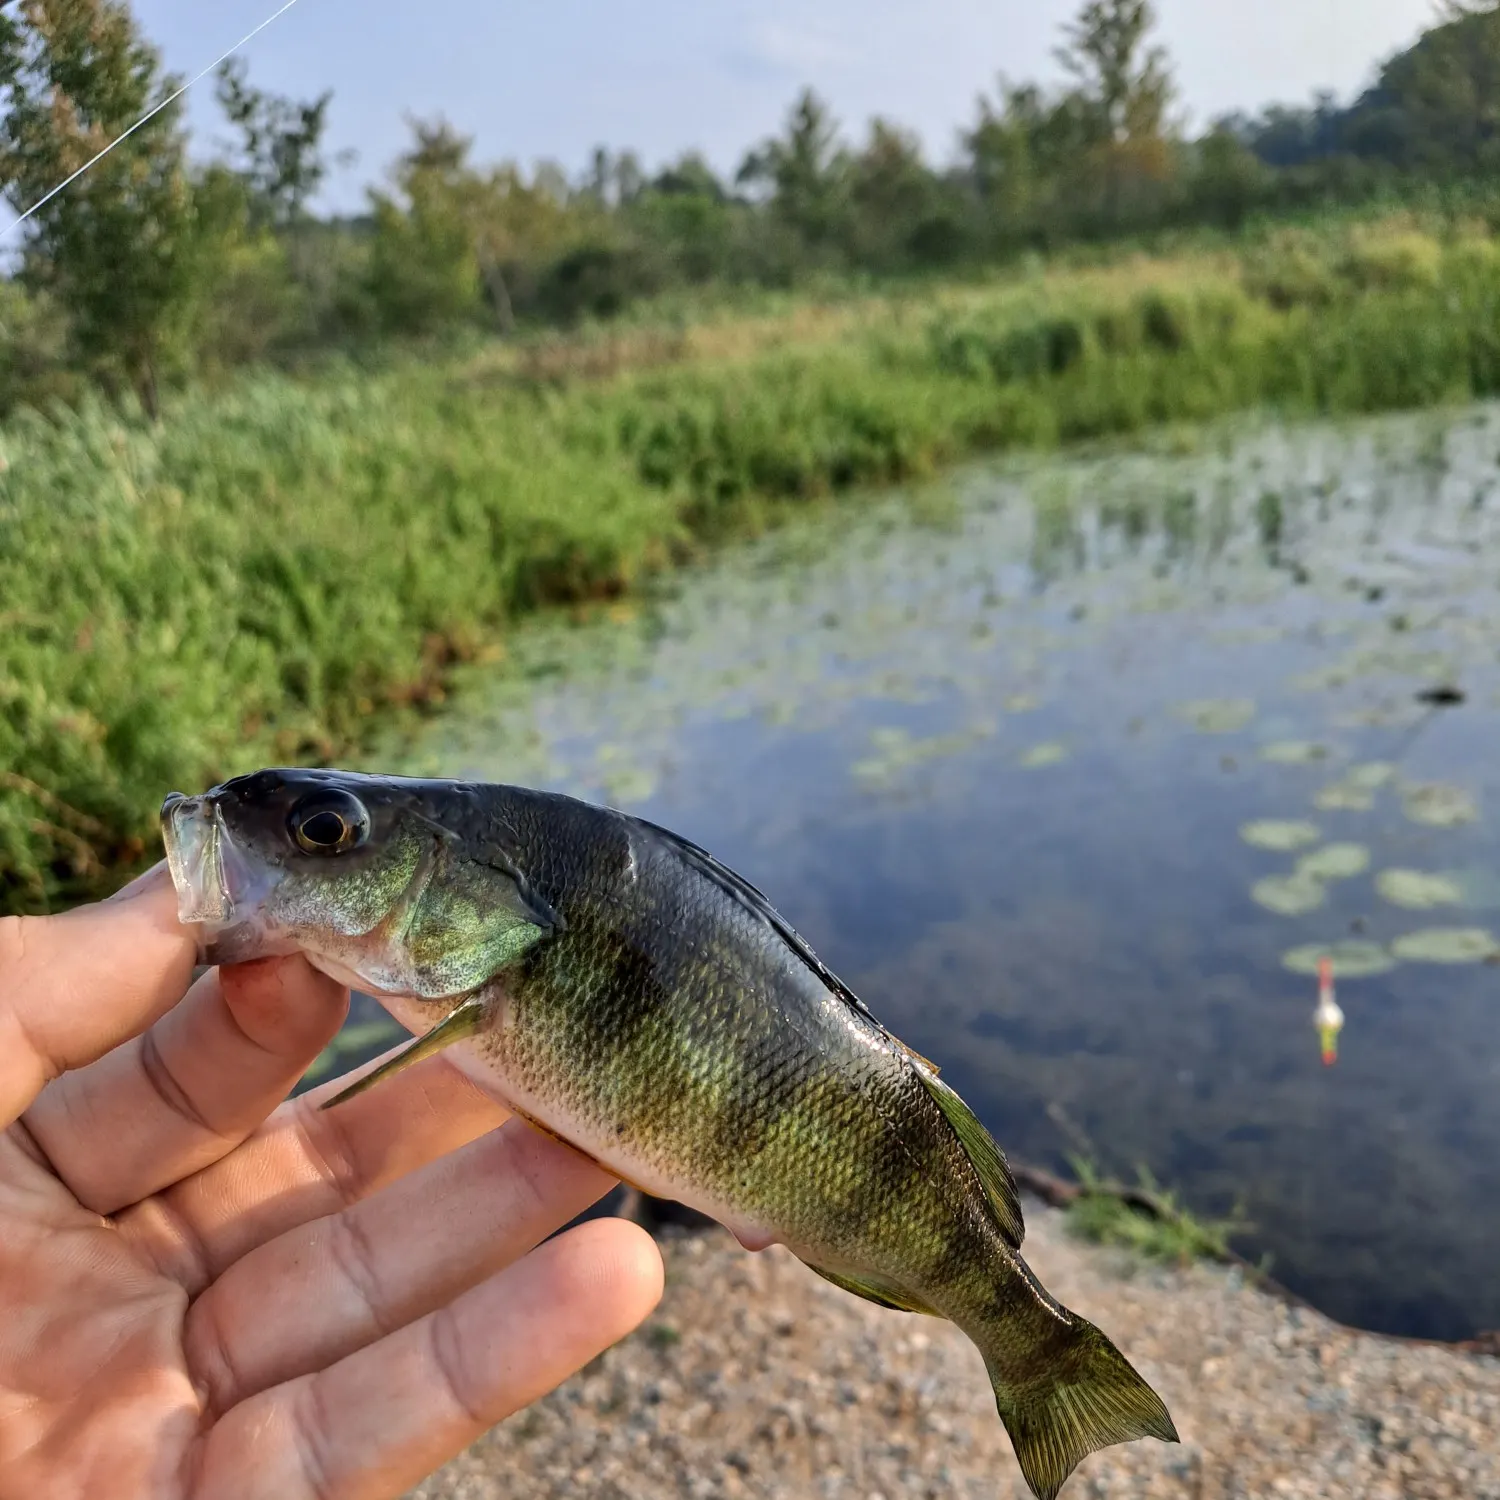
[531, 79]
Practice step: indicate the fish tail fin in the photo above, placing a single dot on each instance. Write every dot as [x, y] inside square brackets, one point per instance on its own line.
[1089, 1398]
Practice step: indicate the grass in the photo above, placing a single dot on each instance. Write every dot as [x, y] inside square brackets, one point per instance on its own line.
[1147, 1220]
[279, 564]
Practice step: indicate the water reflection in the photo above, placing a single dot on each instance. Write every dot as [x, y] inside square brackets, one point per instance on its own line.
[1020, 758]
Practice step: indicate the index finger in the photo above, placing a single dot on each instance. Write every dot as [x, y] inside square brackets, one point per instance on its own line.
[74, 986]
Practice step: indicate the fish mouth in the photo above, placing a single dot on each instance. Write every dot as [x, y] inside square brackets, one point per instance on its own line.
[217, 884]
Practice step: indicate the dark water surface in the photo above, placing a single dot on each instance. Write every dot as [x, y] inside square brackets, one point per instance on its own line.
[992, 748]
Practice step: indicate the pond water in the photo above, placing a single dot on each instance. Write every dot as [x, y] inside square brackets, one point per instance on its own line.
[1025, 754]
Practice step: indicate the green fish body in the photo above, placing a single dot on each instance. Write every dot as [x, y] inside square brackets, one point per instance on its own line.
[621, 989]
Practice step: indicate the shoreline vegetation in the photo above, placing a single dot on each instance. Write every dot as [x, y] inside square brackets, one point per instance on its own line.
[275, 566]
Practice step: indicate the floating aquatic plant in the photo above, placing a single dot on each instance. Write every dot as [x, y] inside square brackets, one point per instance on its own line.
[1218, 715]
[1341, 796]
[1439, 805]
[1351, 959]
[1044, 755]
[1281, 836]
[1289, 895]
[1294, 752]
[1418, 890]
[1334, 862]
[897, 751]
[1446, 945]
[1370, 776]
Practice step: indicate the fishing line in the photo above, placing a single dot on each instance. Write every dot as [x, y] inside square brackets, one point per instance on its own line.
[147, 117]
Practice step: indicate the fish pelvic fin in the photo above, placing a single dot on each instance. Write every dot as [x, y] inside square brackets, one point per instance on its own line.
[986, 1157]
[1090, 1398]
[463, 1021]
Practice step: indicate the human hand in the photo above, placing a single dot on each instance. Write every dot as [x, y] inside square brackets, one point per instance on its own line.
[203, 1294]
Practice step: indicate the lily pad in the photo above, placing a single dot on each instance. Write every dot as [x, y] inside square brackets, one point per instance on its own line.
[1218, 715]
[1371, 776]
[900, 751]
[1417, 890]
[1044, 755]
[1289, 895]
[1282, 836]
[1446, 945]
[1439, 805]
[1294, 752]
[1351, 959]
[1334, 862]
[1020, 703]
[1343, 796]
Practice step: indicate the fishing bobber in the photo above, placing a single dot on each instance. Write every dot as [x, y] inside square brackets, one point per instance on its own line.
[1328, 1018]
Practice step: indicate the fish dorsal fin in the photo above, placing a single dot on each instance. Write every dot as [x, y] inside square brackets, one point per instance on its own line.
[987, 1158]
[875, 1290]
[740, 889]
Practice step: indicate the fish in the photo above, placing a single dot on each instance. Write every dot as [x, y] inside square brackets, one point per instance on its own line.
[622, 990]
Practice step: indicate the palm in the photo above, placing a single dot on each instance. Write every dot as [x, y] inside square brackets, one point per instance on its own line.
[100, 1360]
[201, 1299]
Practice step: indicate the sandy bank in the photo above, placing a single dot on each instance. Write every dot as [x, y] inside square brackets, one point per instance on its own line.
[757, 1379]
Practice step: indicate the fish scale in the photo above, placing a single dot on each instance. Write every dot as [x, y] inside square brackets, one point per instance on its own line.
[624, 991]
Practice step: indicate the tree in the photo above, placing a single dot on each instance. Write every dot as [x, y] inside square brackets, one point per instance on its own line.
[1025, 154]
[896, 200]
[1436, 106]
[123, 249]
[1228, 180]
[460, 229]
[282, 162]
[1127, 83]
[1290, 135]
[424, 265]
[805, 171]
[1123, 89]
[689, 176]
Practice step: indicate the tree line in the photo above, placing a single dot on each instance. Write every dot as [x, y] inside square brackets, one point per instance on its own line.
[151, 268]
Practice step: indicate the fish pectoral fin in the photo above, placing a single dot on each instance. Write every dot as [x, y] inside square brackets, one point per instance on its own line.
[459, 1023]
[875, 1289]
[987, 1159]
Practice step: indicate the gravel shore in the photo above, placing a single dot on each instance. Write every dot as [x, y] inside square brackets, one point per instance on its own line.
[755, 1378]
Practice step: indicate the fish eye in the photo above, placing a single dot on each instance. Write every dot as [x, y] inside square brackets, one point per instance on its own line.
[330, 822]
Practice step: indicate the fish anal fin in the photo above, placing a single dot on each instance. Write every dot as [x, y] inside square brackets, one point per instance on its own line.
[459, 1023]
[875, 1290]
[986, 1157]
